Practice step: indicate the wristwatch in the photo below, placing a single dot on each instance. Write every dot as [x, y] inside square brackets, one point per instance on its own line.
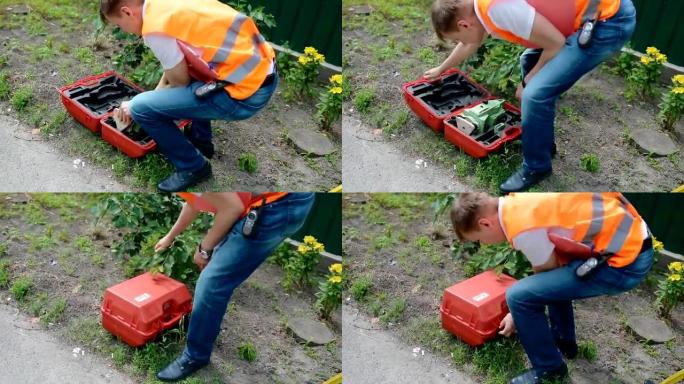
[205, 253]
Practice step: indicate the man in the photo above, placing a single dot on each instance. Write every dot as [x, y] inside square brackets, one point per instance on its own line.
[552, 230]
[227, 256]
[194, 40]
[554, 61]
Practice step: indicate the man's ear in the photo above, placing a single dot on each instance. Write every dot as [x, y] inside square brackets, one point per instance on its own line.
[462, 23]
[126, 10]
[484, 222]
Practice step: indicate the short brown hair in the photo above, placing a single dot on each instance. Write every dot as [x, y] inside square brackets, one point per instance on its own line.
[444, 15]
[111, 7]
[466, 210]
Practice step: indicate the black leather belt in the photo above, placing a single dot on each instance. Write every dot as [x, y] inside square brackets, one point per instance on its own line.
[269, 79]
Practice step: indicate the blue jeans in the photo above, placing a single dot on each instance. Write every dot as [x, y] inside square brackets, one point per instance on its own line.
[156, 111]
[555, 289]
[558, 75]
[234, 260]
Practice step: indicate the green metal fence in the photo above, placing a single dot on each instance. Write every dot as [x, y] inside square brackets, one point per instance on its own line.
[663, 213]
[304, 23]
[325, 222]
[659, 24]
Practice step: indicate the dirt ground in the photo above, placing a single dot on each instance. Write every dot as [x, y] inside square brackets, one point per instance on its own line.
[46, 51]
[393, 43]
[391, 240]
[55, 242]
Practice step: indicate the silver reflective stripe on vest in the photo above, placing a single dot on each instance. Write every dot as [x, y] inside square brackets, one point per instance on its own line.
[591, 10]
[596, 218]
[620, 235]
[248, 66]
[229, 42]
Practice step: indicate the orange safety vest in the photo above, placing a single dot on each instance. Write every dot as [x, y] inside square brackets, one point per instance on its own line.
[566, 15]
[605, 221]
[249, 200]
[230, 41]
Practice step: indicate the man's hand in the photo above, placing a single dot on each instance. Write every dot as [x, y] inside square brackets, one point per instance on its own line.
[519, 91]
[123, 113]
[163, 243]
[433, 73]
[507, 327]
[199, 260]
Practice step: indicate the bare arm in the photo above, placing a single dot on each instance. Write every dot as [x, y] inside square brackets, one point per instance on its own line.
[187, 215]
[229, 208]
[547, 37]
[163, 83]
[457, 56]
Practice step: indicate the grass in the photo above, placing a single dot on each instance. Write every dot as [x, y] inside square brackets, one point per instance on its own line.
[54, 313]
[361, 287]
[5, 86]
[394, 311]
[4, 273]
[247, 351]
[21, 98]
[21, 287]
[587, 350]
[363, 99]
[247, 162]
[589, 162]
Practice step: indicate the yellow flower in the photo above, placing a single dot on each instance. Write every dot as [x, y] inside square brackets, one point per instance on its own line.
[319, 57]
[657, 245]
[644, 60]
[304, 60]
[678, 90]
[673, 277]
[337, 79]
[661, 58]
[303, 249]
[335, 90]
[335, 279]
[678, 79]
[652, 51]
[318, 247]
[675, 266]
[310, 240]
[336, 268]
[311, 51]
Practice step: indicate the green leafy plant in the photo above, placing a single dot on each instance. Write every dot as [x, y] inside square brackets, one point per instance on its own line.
[672, 104]
[146, 218]
[247, 351]
[258, 14]
[5, 86]
[329, 295]
[282, 255]
[247, 162]
[4, 273]
[589, 162]
[498, 66]
[623, 64]
[299, 268]
[501, 258]
[300, 79]
[644, 77]
[329, 107]
[670, 289]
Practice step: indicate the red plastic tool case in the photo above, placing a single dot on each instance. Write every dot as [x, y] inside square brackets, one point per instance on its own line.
[137, 310]
[91, 102]
[482, 145]
[473, 309]
[433, 108]
[457, 92]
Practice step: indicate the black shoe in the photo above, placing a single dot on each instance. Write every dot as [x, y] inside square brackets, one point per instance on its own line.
[567, 348]
[179, 369]
[533, 377]
[522, 180]
[180, 181]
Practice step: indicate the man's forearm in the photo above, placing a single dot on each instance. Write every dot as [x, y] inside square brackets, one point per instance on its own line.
[187, 216]
[458, 55]
[544, 58]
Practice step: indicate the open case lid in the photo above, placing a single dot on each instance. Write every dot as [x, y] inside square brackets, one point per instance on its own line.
[101, 94]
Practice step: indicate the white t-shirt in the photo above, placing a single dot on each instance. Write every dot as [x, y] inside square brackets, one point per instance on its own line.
[166, 50]
[535, 243]
[514, 16]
